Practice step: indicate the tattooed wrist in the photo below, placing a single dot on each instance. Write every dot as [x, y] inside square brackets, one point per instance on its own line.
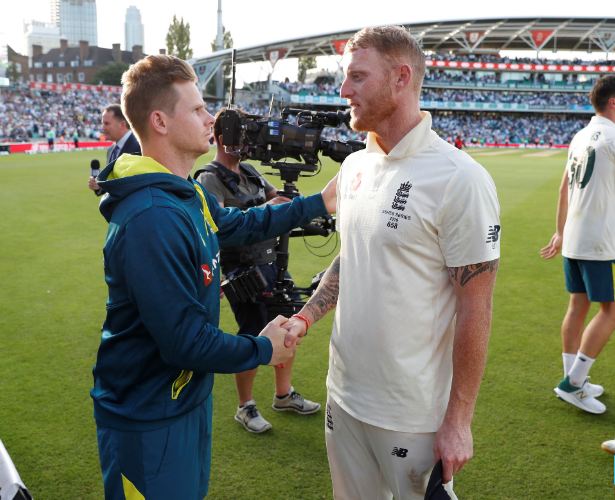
[325, 297]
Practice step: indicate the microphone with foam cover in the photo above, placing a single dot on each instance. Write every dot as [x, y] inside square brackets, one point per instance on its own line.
[94, 168]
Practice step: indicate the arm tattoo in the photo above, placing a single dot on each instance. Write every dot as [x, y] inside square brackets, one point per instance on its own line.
[325, 297]
[462, 275]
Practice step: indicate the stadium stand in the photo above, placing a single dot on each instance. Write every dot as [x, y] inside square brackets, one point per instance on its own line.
[29, 112]
[491, 100]
[482, 115]
[471, 87]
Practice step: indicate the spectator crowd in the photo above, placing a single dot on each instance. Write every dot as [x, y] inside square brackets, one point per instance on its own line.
[329, 89]
[497, 58]
[436, 78]
[472, 78]
[31, 114]
[508, 128]
[547, 99]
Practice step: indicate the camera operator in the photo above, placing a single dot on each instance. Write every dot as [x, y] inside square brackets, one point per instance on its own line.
[239, 184]
[115, 127]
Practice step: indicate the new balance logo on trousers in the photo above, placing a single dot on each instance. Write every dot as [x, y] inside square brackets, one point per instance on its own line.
[329, 418]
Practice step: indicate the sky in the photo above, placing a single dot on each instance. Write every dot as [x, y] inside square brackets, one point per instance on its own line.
[256, 22]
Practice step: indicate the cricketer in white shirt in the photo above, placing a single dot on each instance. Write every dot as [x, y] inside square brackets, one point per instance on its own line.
[413, 283]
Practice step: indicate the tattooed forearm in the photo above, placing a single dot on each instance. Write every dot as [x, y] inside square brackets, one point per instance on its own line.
[462, 275]
[325, 297]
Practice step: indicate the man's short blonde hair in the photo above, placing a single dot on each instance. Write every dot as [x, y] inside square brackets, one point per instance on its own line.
[148, 86]
[395, 43]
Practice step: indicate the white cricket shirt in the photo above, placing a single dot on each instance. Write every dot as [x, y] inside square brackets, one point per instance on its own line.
[404, 218]
[589, 232]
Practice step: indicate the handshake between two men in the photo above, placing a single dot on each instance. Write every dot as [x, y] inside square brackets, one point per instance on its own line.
[285, 335]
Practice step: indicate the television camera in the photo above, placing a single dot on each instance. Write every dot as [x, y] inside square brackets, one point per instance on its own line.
[297, 135]
[271, 139]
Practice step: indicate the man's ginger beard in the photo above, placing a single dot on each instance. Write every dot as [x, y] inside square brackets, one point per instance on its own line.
[376, 108]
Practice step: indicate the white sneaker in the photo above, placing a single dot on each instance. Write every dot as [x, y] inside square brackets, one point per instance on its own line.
[251, 419]
[593, 390]
[579, 397]
[609, 446]
[294, 401]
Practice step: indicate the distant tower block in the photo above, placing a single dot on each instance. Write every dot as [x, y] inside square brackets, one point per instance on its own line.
[133, 28]
[76, 20]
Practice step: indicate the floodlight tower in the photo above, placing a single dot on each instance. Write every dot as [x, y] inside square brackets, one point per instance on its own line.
[220, 46]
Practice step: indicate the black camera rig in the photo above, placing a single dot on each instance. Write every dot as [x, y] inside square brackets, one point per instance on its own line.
[273, 141]
[269, 140]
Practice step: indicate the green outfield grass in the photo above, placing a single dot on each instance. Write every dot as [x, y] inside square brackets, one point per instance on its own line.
[528, 445]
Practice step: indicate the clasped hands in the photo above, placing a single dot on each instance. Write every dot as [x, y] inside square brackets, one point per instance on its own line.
[285, 335]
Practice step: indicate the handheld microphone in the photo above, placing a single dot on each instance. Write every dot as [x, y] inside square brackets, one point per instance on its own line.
[94, 168]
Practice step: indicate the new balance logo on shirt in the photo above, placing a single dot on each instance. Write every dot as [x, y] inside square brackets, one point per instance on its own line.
[400, 452]
[493, 235]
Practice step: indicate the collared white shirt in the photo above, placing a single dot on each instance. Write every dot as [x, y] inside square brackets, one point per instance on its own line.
[589, 233]
[404, 218]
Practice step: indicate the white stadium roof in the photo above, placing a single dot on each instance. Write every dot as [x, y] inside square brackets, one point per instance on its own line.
[462, 36]
[469, 35]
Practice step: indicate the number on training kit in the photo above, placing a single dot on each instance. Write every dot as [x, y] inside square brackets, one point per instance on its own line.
[582, 168]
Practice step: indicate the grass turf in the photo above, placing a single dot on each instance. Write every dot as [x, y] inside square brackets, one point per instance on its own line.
[527, 443]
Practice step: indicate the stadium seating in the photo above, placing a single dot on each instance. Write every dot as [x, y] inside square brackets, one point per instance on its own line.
[29, 113]
[483, 98]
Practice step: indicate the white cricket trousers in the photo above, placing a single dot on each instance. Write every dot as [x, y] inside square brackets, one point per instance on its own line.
[371, 463]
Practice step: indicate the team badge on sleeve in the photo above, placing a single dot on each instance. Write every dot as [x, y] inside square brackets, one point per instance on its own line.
[208, 276]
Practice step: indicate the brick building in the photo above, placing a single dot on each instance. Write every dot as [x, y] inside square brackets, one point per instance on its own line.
[76, 64]
[20, 61]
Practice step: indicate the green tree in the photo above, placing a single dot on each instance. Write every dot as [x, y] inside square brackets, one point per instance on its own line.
[178, 39]
[12, 72]
[227, 43]
[227, 40]
[111, 74]
[305, 63]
